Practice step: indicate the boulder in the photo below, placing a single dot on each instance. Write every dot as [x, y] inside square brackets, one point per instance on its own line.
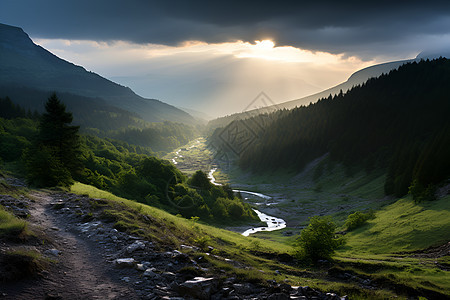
[135, 246]
[199, 288]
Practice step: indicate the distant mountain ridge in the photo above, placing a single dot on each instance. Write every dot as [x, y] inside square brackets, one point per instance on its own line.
[357, 78]
[397, 122]
[25, 64]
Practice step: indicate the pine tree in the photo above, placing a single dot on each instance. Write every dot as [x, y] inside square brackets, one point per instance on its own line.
[56, 147]
[57, 133]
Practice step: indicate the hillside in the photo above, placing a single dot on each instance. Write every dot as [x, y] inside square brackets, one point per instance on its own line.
[355, 79]
[398, 122]
[24, 64]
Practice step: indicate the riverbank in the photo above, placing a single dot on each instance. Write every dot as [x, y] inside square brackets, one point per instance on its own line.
[273, 223]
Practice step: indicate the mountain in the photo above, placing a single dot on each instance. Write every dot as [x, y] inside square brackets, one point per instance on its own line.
[355, 79]
[398, 122]
[25, 64]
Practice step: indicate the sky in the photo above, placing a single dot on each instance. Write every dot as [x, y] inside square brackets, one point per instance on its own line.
[216, 56]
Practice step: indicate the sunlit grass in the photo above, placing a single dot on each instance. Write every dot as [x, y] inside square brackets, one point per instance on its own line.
[10, 226]
[181, 223]
[403, 226]
[370, 258]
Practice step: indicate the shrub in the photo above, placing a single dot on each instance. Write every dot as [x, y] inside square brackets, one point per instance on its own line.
[357, 219]
[420, 193]
[318, 241]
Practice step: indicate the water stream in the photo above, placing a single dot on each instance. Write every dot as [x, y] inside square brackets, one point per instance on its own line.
[273, 223]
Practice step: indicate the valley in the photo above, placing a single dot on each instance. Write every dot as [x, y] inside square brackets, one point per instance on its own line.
[297, 197]
[291, 197]
[343, 194]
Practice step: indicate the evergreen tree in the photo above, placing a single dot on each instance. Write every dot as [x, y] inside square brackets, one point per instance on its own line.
[54, 158]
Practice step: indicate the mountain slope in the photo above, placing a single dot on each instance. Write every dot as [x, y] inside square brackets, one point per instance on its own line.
[398, 122]
[355, 79]
[24, 64]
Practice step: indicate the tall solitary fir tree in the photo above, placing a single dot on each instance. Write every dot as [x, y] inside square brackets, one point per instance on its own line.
[54, 157]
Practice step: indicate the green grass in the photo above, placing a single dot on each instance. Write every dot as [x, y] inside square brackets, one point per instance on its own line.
[183, 225]
[371, 251]
[256, 259]
[403, 226]
[379, 250]
[10, 226]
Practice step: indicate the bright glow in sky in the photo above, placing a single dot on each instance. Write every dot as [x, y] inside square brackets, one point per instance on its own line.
[216, 79]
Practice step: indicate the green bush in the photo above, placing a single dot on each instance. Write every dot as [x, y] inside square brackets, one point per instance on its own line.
[357, 219]
[420, 193]
[317, 241]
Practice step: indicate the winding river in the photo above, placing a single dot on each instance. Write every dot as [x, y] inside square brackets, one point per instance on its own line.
[273, 223]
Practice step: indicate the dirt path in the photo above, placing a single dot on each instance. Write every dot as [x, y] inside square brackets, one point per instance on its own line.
[80, 272]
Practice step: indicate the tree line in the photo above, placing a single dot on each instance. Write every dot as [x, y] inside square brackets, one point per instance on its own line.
[398, 122]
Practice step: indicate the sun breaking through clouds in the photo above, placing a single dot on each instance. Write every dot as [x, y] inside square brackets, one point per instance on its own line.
[215, 78]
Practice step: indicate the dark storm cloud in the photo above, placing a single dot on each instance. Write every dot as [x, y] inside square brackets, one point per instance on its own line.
[333, 26]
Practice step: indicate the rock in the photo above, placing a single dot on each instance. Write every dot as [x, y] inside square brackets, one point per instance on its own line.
[285, 288]
[278, 296]
[135, 246]
[58, 205]
[53, 252]
[21, 212]
[332, 296]
[244, 288]
[146, 264]
[169, 275]
[126, 279]
[306, 291]
[150, 272]
[124, 262]
[199, 288]
[186, 247]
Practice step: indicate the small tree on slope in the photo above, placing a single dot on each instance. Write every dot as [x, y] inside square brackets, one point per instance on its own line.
[317, 241]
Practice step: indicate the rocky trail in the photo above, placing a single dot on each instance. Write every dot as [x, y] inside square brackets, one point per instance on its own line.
[79, 272]
[92, 260]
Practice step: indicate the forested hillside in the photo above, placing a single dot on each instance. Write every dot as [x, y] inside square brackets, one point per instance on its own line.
[48, 151]
[158, 136]
[399, 122]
